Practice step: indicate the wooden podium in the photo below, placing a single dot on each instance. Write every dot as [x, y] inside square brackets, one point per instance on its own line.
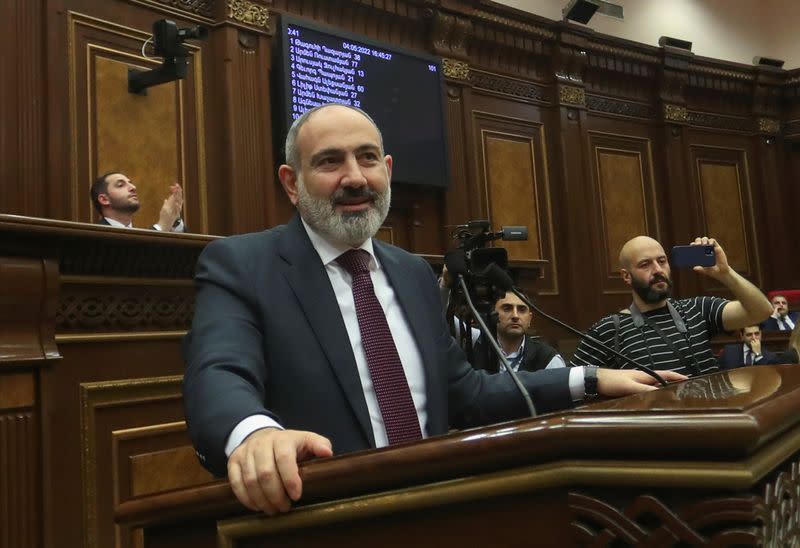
[709, 462]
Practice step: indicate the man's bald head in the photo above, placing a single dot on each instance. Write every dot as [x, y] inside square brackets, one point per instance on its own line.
[644, 266]
[635, 248]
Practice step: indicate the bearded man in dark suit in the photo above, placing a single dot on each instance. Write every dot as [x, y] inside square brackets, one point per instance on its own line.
[279, 366]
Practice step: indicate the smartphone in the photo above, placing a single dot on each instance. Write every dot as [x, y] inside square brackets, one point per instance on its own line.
[686, 256]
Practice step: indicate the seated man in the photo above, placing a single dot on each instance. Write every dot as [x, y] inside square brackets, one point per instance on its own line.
[781, 319]
[115, 199]
[523, 352]
[513, 318]
[747, 352]
[663, 333]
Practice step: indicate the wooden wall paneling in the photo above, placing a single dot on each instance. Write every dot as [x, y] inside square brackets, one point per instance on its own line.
[156, 138]
[106, 407]
[724, 196]
[20, 477]
[577, 258]
[623, 185]
[22, 108]
[76, 429]
[20, 470]
[771, 210]
[789, 272]
[151, 459]
[154, 459]
[245, 170]
[461, 201]
[513, 166]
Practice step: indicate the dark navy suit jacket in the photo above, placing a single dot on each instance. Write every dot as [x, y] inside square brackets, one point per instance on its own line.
[268, 338]
[733, 356]
[771, 324]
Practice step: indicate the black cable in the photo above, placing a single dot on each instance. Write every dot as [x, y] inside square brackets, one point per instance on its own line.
[502, 280]
[591, 339]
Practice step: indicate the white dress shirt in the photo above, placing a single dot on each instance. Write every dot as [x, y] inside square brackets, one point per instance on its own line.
[117, 224]
[784, 323]
[180, 227]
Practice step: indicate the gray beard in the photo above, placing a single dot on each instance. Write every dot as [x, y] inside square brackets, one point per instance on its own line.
[352, 229]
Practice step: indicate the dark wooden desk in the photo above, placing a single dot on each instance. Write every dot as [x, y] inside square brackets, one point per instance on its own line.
[709, 462]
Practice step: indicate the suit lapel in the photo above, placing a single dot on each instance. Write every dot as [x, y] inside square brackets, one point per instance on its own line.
[406, 287]
[307, 277]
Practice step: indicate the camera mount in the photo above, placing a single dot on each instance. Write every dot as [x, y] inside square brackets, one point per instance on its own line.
[167, 43]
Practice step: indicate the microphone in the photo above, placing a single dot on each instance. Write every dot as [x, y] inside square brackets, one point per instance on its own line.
[490, 339]
[503, 281]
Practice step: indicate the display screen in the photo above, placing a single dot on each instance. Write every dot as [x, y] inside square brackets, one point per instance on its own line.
[400, 90]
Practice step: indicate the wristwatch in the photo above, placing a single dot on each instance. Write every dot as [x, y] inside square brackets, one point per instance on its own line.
[590, 382]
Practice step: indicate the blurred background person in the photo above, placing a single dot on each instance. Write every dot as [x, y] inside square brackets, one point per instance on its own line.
[782, 319]
[115, 198]
[746, 352]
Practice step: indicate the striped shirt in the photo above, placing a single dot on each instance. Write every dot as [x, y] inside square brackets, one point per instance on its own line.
[703, 319]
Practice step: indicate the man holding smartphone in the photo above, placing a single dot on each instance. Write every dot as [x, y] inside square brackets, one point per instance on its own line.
[665, 333]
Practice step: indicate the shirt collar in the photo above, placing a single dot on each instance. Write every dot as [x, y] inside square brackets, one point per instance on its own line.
[117, 224]
[329, 251]
[518, 351]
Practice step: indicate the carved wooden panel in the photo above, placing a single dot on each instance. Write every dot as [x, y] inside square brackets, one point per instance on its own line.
[95, 308]
[780, 513]
[726, 211]
[153, 459]
[514, 172]
[19, 480]
[156, 138]
[625, 196]
[652, 521]
[108, 407]
[27, 309]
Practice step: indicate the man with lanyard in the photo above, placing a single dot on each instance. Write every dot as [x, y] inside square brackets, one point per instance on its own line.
[670, 334]
[522, 351]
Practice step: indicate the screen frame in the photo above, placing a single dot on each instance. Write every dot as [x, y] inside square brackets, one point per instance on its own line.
[281, 69]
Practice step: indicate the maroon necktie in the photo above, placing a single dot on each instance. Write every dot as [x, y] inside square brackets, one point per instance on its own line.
[385, 369]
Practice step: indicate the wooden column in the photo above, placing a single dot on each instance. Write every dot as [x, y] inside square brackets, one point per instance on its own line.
[22, 107]
[27, 322]
[242, 174]
[582, 263]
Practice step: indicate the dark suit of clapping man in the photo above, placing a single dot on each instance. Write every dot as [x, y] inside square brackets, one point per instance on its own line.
[278, 361]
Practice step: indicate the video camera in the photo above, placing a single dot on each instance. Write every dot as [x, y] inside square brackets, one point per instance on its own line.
[473, 238]
[470, 259]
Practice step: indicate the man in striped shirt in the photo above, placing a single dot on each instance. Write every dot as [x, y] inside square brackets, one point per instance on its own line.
[665, 333]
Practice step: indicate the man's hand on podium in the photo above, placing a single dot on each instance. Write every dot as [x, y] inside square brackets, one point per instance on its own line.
[622, 382]
[263, 470]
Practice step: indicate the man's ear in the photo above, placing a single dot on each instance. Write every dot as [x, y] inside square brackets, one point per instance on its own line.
[626, 276]
[288, 178]
[103, 199]
[387, 160]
